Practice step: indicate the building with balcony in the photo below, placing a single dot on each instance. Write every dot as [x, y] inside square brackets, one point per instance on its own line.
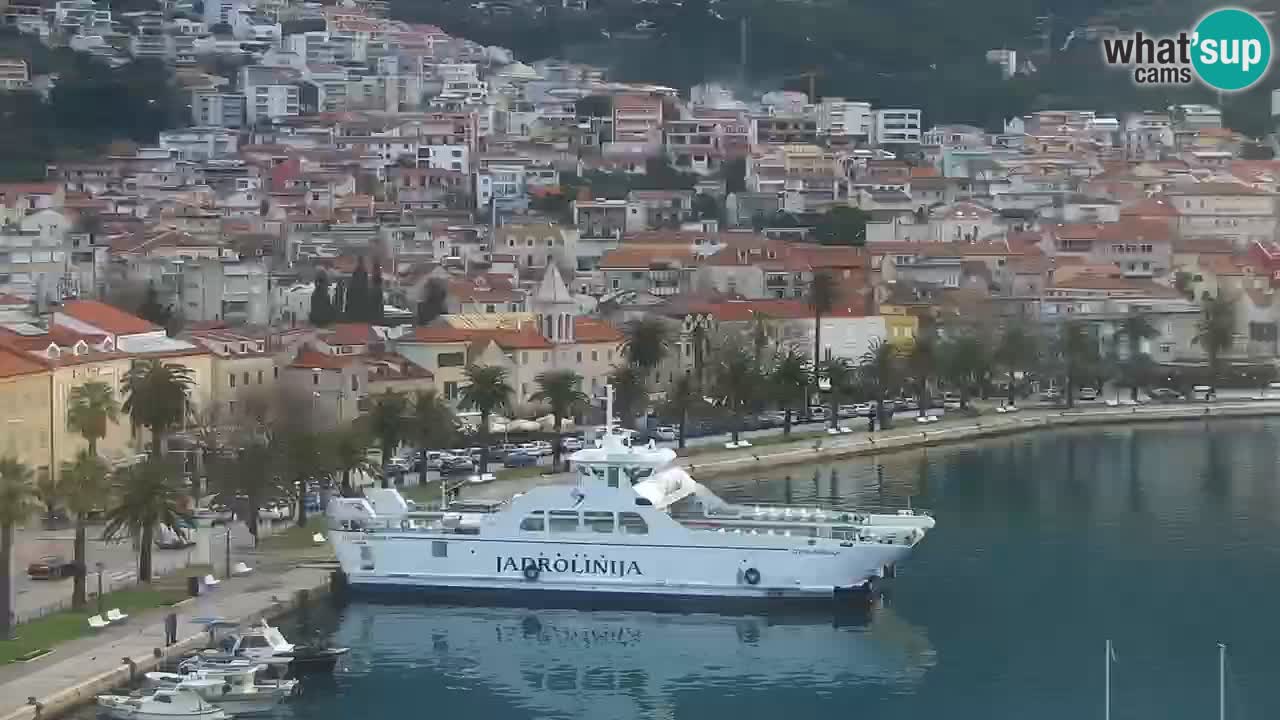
[655, 270]
[896, 126]
[211, 108]
[638, 118]
[14, 74]
[232, 292]
[845, 120]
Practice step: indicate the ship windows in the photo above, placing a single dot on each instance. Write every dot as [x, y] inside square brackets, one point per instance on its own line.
[439, 548]
[533, 523]
[599, 522]
[632, 524]
[613, 477]
[366, 557]
[564, 521]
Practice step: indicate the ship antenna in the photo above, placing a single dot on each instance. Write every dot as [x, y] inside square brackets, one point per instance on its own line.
[608, 410]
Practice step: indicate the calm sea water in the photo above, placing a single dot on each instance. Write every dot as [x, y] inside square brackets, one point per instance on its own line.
[1164, 539]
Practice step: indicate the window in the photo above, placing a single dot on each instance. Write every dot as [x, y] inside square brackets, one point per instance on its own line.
[366, 557]
[355, 383]
[315, 379]
[454, 359]
[275, 373]
[246, 378]
[630, 523]
[564, 521]
[231, 379]
[546, 357]
[451, 390]
[524, 390]
[579, 356]
[615, 284]
[231, 407]
[259, 377]
[439, 548]
[595, 355]
[524, 358]
[534, 523]
[598, 522]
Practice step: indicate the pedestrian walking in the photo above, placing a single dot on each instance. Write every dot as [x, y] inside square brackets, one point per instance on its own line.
[170, 629]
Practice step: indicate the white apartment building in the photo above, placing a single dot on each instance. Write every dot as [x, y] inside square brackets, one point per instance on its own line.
[219, 11]
[210, 108]
[200, 143]
[845, 118]
[14, 74]
[1232, 211]
[896, 126]
[270, 93]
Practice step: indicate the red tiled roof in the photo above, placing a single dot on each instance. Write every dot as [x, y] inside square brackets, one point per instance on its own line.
[15, 363]
[587, 330]
[349, 334]
[644, 257]
[107, 318]
[441, 333]
[7, 299]
[308, 358]
[1150, 207]
[1204, 245]
[1215, 188]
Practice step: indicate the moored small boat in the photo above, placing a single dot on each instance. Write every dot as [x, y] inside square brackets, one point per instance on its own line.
[163, 704]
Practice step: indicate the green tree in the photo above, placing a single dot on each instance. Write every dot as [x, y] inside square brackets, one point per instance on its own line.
[151, 310]
[630, 391]
[761, 333]
[322, 313]
[387, 422]
[842, 378]
[700, 341]
[48, 491]
[144, 500]
[350, 454]
[707, 207]
[1215, 331]
[435, 301]
[156, 397]
[682, 397]
[1076, 352]
[305, 455]
[823, 292]
[646, 342]
[377, 298]
[962, 360]
[1136, 365]
[83, 485]
[789, 380]
[487, 391]
[247, 481]
[922, 365]
[357, 299]
[843, 226]
[880, 371]
[1017, 351]
[561, 390]
[17, 504]
[433, 423]
[91, 408]
[735, 381]
[734, 172]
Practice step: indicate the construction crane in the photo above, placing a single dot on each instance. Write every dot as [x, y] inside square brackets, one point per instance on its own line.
[812, 75]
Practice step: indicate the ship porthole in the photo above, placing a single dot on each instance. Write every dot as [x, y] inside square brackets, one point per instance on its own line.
[752, 576]
[531, 572]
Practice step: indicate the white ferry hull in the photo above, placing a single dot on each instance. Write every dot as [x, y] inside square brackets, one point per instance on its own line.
[489, 567]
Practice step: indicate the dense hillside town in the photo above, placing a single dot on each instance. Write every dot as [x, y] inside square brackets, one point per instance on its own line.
[358, 207]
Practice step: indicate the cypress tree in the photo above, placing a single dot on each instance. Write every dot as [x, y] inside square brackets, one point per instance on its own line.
[358, 295]
[377, 311]
[322, 313]
[340, 298]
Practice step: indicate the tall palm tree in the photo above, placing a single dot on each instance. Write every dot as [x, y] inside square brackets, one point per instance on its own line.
[1135, 328]
[789, 380]
[156, 397]
[304, 455]
[700, 341]
[736, 380]
[17, 503]
[629, 390]
[760, 335]
[682, 397]
[1076, 352]
[1215, 330]
[823, 292]
[922, 364]
[646, 342]
[144, 500]
[387, 423]
[962, 362]
[486, 390]
[350, 454]
[880, 370]
[431, 424]
[248, 481]
[1017, 351]
[841, 377]
[83, 485]
[561, 390]
[91, 408]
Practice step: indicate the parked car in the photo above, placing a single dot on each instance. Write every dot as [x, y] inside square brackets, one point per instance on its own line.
[847, 411]
[571, 443]
[51, 567]
[457, 463]
[518, 459]
[1087, 394]
[817, 413]
[1164, 395]
[669, 433]
[950, 400]
[1051, 395]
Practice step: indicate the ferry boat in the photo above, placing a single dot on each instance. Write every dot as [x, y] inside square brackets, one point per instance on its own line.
[633, 525]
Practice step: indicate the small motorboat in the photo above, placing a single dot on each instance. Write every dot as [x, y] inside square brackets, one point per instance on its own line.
[263, 643]
[163, 704]
[235, 690]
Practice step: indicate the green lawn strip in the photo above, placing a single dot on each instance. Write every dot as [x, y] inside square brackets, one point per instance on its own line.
[295, 538]
[50, 631]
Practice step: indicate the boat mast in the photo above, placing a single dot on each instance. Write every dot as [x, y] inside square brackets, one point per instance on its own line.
[1107, 697]
[1222, 681]
[608, 410]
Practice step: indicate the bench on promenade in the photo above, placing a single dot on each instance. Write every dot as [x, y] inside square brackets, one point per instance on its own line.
[115, 617]
[97, 623]
[211, 582]
[240, 570]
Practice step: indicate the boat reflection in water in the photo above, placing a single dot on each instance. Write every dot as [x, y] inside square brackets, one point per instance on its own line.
[567, 663]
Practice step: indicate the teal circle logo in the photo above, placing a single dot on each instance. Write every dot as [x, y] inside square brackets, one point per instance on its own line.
[1231, 49]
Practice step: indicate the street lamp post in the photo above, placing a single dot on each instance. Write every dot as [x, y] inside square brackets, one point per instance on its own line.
[100, 567]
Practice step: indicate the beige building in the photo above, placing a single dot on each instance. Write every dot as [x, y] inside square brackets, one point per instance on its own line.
[1239, 213]
[24, 407]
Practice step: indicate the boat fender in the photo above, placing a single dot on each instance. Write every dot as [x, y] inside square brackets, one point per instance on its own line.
[531, 572]
[752, 576]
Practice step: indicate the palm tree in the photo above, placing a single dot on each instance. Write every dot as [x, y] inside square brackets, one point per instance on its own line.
[156, 397]
[561, 390]
[682, 397]
[880, 370]
[841, 377]
[486, 391]
[1216, 330]
[1077, 355]
[760, 333]
[645, 342]
[17, 503]
[823, 292]
[387, 423]
[48, 492]
[91, 407]
[304, 455]
[700, 339]
[144, 500]
[248, 481]
[629, 390]
[922, 364]
[432, 422]
[1135, 328]
[789, 381]
[83, 485]
[962, 362]
[1016, 351]
[350, 454]
[736, 379]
